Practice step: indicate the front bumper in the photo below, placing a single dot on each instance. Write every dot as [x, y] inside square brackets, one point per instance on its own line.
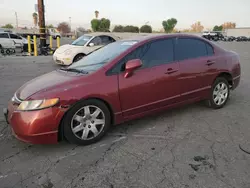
[61, 59]
[36, 127]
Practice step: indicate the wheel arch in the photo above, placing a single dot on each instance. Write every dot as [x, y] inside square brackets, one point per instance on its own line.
[81, 53]
[228, 76]
[60, 134]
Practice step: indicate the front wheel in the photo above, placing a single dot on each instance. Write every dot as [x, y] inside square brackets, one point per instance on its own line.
[78, 57]
[86, 122]
[219, 93]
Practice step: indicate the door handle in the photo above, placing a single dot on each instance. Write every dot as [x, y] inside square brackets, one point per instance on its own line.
[209, 62]
[170, 71]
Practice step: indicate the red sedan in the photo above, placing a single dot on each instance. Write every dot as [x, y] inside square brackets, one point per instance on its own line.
[122, 81]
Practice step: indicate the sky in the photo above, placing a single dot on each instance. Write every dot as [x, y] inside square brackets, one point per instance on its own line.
[133, 12]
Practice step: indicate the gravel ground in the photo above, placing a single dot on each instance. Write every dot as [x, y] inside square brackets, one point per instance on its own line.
[189, 147]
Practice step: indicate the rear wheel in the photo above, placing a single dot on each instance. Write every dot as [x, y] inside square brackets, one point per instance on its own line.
[219, 93]
[86, 122]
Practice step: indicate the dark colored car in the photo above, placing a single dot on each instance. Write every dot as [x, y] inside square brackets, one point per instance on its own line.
[124, 80]
[241, 38]
[213, 35]
[228, 38]
[231, 38]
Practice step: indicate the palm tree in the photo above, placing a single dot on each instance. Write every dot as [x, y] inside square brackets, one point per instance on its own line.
[96, 14]
[35, 18]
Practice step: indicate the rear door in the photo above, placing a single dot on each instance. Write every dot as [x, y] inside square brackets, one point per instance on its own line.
[155, 84]
[194, 61]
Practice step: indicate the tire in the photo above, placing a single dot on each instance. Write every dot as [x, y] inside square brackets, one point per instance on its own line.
[7, 52]
[220, 85]
[79, 121]
[78, 57]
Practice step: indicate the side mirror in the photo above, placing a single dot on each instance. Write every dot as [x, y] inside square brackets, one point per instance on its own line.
[91, 44]
[131, 65]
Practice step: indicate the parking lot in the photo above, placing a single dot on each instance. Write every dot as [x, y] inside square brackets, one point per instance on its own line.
[190, 147]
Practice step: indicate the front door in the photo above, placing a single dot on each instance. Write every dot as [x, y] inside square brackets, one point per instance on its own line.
[155, 84]
[17, 40]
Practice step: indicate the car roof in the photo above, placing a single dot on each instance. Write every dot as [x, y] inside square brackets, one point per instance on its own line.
[145, 37]
[94, 34]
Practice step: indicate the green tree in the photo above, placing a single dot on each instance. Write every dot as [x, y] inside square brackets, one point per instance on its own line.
[95, 23]
[218, 28]
[118, 28]
[146, 29]
[50, 26]
[35, 18]
[169, 24]
[100, 25]
[8, 26]
[104, 25]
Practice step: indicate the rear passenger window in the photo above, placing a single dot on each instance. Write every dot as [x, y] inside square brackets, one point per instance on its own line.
[4, 35]
[210, 50]
[188, 48]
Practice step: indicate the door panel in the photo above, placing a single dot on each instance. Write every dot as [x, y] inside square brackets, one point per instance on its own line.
[17, 40]
[192, 76]
[193, 58]
[212, 65]
[149, 88]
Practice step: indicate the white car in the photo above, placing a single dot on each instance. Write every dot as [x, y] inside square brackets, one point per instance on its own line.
[11, 37]
[70, 53]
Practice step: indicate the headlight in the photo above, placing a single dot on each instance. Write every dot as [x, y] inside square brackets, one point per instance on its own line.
[67, 52]
[37, 104]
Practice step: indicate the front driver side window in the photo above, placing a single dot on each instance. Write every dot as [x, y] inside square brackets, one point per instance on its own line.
[96, 41]
[152, 54]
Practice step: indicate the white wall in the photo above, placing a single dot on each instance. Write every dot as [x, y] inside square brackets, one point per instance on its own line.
[238, 32]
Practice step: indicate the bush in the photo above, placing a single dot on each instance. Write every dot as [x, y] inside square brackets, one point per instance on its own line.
[146, 29]
[131, 29]
[118, 28]
[128, 28]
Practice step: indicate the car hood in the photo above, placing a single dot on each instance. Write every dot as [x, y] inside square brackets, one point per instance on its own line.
[49, 81]
[65, 47]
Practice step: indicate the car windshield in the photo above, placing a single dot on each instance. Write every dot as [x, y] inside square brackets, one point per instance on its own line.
[81, 41]
[99, 58]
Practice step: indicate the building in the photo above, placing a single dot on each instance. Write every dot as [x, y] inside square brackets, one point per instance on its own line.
[240, 31]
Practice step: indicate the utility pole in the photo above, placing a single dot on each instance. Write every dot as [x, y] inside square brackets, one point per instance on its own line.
[70, 23]
[40, 4]
[16, 20]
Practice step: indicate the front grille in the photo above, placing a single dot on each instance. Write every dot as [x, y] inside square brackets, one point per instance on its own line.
[16, 100]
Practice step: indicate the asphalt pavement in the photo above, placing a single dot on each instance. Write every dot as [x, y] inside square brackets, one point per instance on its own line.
[189, 147]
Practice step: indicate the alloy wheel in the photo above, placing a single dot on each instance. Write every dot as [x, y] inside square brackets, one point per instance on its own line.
[88, 122]
[220, 93]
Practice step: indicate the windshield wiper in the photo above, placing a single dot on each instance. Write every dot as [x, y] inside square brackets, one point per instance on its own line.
[74, 70]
